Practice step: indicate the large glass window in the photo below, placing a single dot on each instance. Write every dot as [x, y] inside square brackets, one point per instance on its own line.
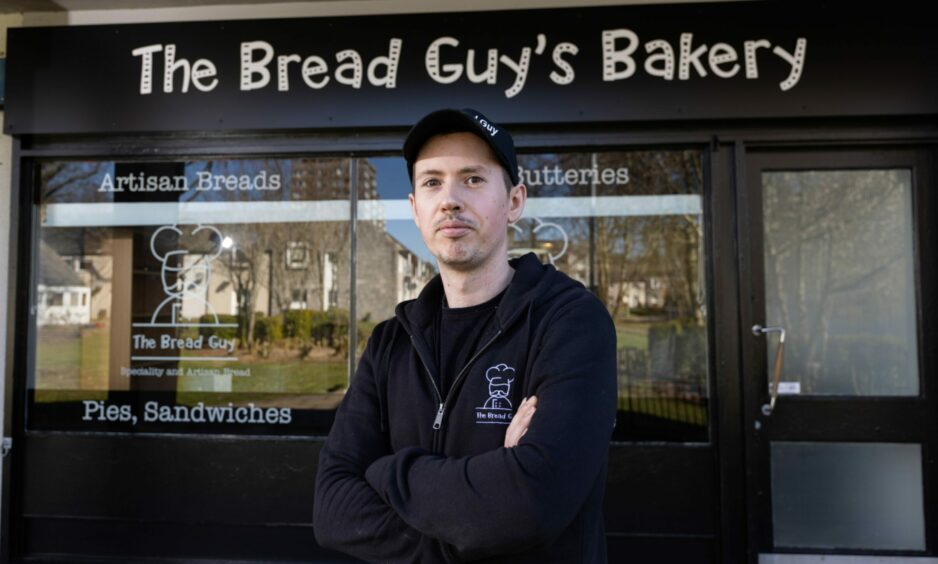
[199, 295]
[628, 225]
[207, 296]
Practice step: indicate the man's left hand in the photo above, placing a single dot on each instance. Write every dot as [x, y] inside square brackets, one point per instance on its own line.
[520, 422]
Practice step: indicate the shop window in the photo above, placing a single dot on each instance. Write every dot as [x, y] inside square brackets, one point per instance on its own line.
[198, 326]
[223, 286]
[628, 225]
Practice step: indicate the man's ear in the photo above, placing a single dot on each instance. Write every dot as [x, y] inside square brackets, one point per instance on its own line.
[517, 196]
[413, 209]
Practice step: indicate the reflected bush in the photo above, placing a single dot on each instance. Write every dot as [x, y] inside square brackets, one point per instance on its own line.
[207, 327]
[268, 329]
[297, 323]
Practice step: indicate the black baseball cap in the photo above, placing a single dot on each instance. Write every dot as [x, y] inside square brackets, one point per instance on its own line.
[455, 121]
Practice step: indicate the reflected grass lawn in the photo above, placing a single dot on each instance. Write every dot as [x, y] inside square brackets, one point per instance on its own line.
[282, 377]
[631, 335]
[72, 363]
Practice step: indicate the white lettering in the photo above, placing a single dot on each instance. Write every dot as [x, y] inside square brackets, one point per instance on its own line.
[521, 71]
[750, 48]
[354, 65]
[389, 62]
[146, 65]
[251, 66]
[688, 57]
[665, 57]
[557, 56]
[796, 61]
[720, 54]
[432, 62]
[613, 57]
[489, 75]
[312, 67]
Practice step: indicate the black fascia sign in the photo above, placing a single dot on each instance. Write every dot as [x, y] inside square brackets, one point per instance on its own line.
[573, 65]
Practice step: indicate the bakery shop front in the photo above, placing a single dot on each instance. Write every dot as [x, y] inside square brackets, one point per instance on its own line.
[209, 219]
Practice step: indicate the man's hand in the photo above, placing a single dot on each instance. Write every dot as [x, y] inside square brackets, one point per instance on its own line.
[520, 422]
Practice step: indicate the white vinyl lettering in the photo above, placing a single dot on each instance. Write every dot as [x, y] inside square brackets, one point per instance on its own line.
[660, 52]
[796, 61]
[432, 62]
[613, 57]
[568, 75]
[353, 66]
[688, 57]
[750, 48]
[146, 65]
[254, 73]
[489, 75]
[389, 63]
[720, 54]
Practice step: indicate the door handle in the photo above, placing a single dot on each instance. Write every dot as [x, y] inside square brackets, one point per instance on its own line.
[758, 331]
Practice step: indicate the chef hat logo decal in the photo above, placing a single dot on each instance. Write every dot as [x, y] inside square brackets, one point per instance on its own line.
[181, 279]
[547, 234]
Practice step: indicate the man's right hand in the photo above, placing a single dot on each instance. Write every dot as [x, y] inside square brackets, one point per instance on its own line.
[520, 422]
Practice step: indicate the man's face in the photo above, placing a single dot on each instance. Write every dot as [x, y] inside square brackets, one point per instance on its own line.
[460, 201]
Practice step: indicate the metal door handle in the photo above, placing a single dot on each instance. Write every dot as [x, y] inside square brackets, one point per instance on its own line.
[758, 331]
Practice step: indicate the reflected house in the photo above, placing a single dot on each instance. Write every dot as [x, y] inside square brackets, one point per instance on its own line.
[642, 293]
[83, 258]
[306, 265]
[64, 298]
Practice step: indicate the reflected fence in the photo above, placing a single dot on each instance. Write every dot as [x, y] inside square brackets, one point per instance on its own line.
[677, 397]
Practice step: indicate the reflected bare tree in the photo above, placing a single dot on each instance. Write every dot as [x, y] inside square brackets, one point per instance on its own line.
[838, 275]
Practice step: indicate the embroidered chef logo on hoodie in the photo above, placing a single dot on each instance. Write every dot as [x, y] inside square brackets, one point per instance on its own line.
[497, 408]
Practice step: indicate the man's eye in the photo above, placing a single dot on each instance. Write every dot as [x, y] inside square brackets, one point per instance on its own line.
[475, 180]
[431, 182]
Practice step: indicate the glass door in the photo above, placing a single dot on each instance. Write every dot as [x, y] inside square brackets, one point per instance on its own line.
[838, 373]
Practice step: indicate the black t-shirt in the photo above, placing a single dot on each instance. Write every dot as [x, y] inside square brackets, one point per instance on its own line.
[458, 337]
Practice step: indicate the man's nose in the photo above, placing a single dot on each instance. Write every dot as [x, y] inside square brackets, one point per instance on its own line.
[451, 200]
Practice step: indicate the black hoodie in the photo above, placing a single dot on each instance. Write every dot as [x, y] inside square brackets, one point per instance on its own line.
[411, 473]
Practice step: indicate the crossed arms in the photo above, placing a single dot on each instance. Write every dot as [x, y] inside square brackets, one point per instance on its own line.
[412, 505]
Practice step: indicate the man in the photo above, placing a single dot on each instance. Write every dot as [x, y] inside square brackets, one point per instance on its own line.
[477, 424]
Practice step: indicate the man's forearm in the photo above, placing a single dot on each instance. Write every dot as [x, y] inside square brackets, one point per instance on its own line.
[350, 517]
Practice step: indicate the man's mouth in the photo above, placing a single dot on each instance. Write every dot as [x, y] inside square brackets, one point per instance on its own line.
[453, 228]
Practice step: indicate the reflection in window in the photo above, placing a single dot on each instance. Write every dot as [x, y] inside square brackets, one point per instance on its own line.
[189, 286]
[628, 225]
[226, 284]
[394, 264]
[839, 277]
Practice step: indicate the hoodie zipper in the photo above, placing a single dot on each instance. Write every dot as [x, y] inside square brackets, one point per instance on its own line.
[438, 422]
[444, 403]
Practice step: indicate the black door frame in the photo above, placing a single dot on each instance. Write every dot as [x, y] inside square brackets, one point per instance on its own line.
[819, 418]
